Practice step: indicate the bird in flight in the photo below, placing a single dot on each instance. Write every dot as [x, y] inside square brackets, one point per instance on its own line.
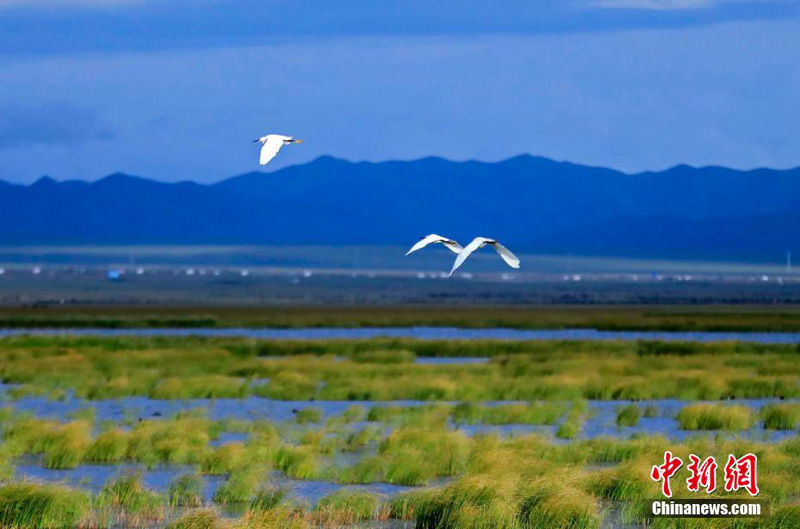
[433, 238]
[479, 242]
[271, 144]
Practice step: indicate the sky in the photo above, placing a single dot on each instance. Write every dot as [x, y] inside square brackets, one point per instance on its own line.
[178, 90]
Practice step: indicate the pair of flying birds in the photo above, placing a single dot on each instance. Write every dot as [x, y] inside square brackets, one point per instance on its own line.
[462, 253]
[272, 143]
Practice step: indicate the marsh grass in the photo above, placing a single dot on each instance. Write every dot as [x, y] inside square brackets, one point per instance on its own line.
[26, 505]
[359, 439]
[526, 481]
[186, 491]
[127, 500]
[782, 416]
[184, 367]
[715, 417]
[650, 411]
[64, 446]
[429, 415]
[384, 357]
[573, 423]
[268, 498]
[200, 519]
[352, 414]
[345, 507]
[240, 486]
[530, 413]
[109, 446]
[308, 415]
[282, 516]
[297, 462]
[604, 317]
[223, 459]
[628, 415]
[529, 481]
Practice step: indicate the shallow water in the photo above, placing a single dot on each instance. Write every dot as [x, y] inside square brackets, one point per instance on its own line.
[93, 477]
[601, 421]
[428, 333]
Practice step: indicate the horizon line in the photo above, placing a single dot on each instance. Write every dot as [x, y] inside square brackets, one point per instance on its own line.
[47, 178]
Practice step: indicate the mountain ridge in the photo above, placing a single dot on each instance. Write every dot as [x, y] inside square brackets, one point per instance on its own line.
[532, 203]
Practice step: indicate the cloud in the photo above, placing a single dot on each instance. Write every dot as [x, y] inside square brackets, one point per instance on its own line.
[661, 5]
[49, 124]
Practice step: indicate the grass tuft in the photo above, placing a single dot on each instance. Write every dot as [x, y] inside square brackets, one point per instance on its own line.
[715, 417]
[27, 505]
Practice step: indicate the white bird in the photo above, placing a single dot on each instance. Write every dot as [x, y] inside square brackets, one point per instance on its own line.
[271, 144]
[479, 242]
[433, 238]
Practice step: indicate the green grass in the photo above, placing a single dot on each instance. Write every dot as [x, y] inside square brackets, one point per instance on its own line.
[223, 459]
[524, 481]
[108, 447]
[34, 506]
[297, 462]
[127, 500]
[516, 482]
[308, 415]
[199, 519]
[573, 424]
[345, 507]
[268, 498]
[240, 487]
[628, 415]
[782, 416]
[531, 413]
[650, 411]
[541, 373]
[186, 491]
[609, 317]
[715, 417]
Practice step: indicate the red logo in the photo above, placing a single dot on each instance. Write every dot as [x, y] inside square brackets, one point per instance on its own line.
[703, 474]
[664, 473]
[741, 474]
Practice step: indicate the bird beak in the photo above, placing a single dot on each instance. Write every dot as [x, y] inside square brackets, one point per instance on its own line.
[297, 141]
[256, 141]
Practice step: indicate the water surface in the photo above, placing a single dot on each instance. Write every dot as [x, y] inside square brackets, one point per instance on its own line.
[427, 333]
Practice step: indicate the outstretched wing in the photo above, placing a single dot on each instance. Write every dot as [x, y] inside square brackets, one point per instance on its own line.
[433, 238]
[270, 148]
[476, 243]
[510, 259]
[452, 245]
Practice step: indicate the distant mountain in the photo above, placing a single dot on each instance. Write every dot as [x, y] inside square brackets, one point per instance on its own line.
[533, 204]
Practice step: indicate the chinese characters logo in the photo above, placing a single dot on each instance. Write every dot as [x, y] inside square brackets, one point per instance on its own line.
[738, 473]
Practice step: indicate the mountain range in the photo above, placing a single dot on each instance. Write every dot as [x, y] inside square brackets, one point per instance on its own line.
[532, 204]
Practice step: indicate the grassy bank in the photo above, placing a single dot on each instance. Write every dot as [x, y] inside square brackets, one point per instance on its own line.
[603, 317]
[381, 369]
[519, 483]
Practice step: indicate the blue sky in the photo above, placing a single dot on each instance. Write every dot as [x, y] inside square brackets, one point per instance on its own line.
[178, 91]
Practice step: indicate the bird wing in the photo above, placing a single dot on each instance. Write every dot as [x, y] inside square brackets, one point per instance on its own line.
[476, 243]
[433, 238]
[510, 259]
[270, 148]
[453, 246]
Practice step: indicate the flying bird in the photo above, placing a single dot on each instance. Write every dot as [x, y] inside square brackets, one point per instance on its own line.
[433, 238]
[271, 144]
[479, 242]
